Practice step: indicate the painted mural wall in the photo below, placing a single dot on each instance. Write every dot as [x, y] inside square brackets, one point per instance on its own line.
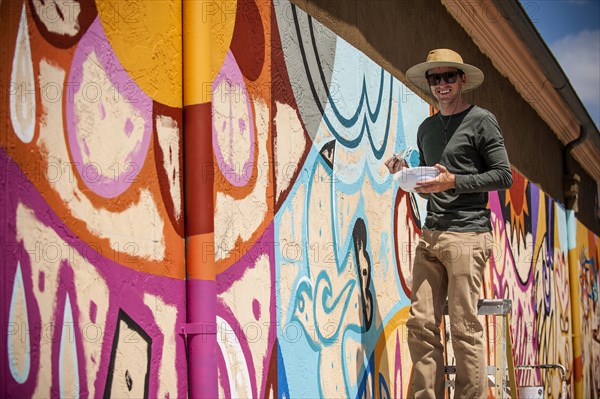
[91, 208]
[314, 241]
[584, 255]
[530, 266]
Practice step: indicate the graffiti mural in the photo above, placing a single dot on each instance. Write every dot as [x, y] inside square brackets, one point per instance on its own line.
[584, 254]
[299, 185]
[342, 261]
[313, 242]
[91, 210]
[529, 266]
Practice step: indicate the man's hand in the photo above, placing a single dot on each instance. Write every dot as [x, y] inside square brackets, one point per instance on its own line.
[444, 181]
[395, 163]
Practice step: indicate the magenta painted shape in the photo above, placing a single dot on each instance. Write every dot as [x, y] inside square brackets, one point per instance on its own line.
[127, 289]
[42, 281]
[93, 311]
[397, 369]
[67, 287]
[256, 308]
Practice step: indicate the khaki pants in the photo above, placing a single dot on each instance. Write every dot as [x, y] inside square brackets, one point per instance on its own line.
[448, 264]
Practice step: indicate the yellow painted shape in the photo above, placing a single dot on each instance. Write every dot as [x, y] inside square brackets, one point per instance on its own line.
[146, 36]
[385, 352]
[207, 32]
[575, 289]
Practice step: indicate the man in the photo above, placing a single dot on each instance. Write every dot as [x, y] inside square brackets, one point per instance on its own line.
[465, 144]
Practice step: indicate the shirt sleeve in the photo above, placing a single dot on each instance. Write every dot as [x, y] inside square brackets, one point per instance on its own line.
[498, 175]
[419, 149]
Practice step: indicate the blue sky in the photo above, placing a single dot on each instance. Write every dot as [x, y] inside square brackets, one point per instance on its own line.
[571, 29]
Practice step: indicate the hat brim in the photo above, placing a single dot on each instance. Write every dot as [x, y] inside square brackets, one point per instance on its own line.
[416, 74]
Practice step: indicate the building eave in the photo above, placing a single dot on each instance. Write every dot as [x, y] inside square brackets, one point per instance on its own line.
[503, 31]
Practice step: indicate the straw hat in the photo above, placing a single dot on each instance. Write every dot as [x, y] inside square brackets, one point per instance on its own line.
[444, 58]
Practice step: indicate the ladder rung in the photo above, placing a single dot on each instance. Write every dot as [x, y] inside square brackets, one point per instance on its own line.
[490, 307]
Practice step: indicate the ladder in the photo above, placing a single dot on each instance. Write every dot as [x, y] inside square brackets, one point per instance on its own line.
[534, 391]
[504, 384]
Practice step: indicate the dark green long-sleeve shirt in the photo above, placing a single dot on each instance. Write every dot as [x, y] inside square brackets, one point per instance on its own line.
[473, 150]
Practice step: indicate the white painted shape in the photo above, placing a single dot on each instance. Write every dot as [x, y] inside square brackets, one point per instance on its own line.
[19, 349]
[91, 287]
[68, 24]
[165, 317]
[22, 85]
[289, 145]
[68, 366]
[290, 238]
[138, 230]
[232, 124]
[240, 297]
[235, 219]
[95, 131]
[131, 366]
[235, 362]
[168, 139]
[48, 251]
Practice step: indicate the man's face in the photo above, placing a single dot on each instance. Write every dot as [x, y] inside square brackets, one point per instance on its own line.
[444, 92]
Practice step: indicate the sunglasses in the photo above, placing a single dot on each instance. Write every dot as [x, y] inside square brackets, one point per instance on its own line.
[434, 79]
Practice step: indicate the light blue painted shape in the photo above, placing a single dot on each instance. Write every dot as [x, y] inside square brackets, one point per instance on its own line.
[571, 229]
[561, 221]
[358, 112]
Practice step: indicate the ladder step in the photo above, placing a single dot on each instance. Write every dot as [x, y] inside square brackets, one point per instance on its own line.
[501, 376]
[490, 307]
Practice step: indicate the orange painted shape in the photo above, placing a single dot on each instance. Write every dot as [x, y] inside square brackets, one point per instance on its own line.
[201, 257]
